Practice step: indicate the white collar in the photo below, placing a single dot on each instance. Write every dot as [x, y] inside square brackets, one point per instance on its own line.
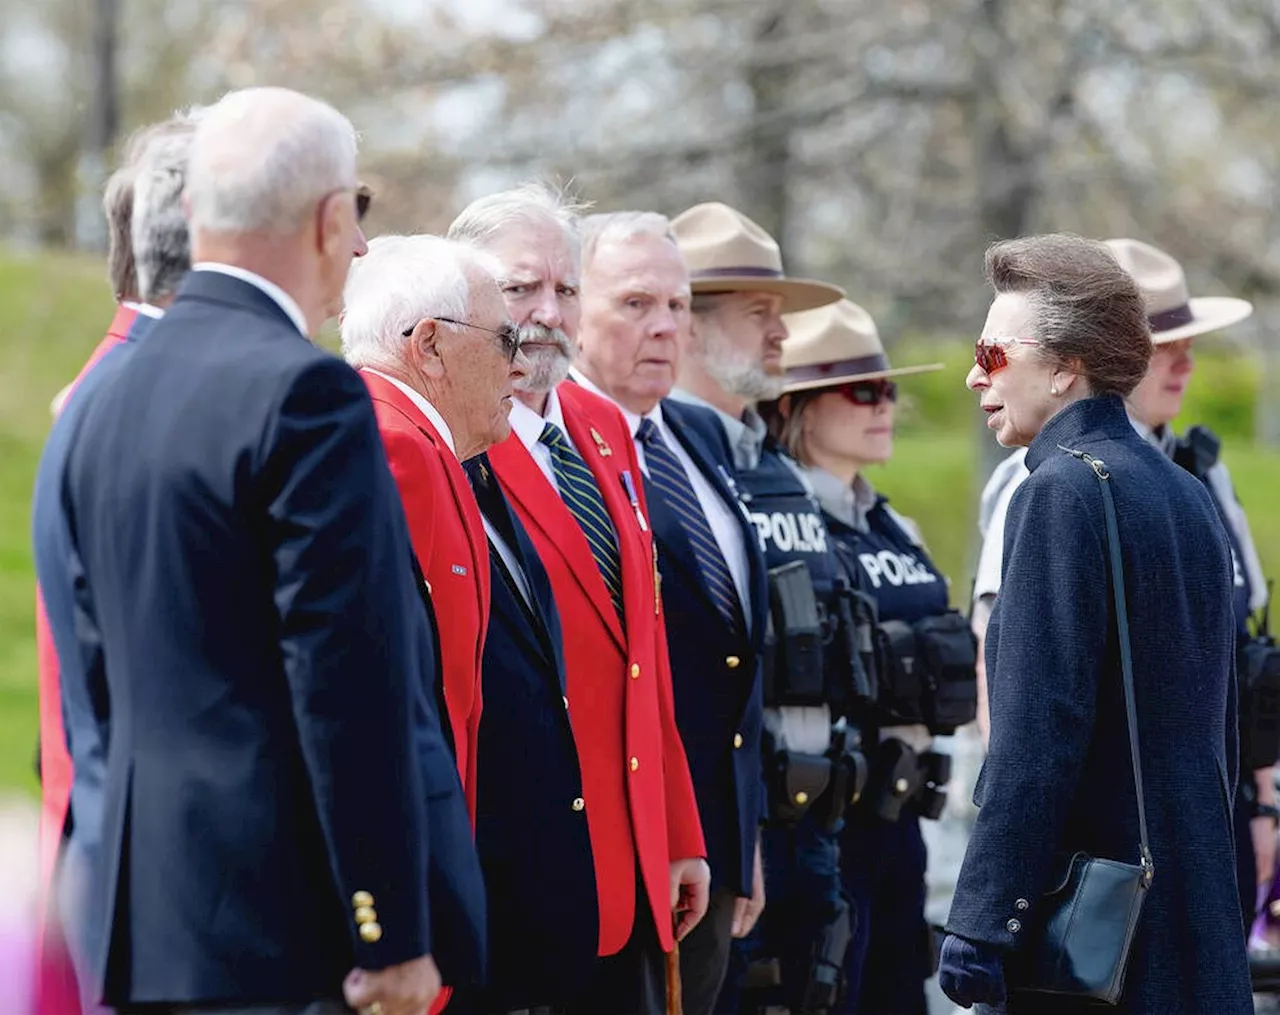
[149, 309]
[424, 407]
[633, 420]
[528, 425]
[286, 302]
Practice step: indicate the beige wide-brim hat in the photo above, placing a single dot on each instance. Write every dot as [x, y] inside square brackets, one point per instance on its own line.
[726, 252]
[836, 344]
[1172, 312]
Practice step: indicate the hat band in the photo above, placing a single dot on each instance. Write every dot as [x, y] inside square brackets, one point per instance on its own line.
[736, 272]
[841, 368]
[1167, 320]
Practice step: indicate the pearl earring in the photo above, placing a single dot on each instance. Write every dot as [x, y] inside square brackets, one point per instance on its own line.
[1053, 389]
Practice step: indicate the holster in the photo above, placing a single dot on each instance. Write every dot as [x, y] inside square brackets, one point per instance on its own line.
[849, 771]
[900, 775]
[928, 672]
[826, 973]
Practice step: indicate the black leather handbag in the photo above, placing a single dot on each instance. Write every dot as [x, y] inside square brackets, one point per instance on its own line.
[1081, 942]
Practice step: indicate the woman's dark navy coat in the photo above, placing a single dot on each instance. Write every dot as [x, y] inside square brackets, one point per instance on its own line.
[1058, 778]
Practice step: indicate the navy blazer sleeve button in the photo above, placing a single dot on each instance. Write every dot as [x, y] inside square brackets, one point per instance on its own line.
[1013, 926]
[737, 741]
[370, 933]
[366, 914]
[579, 803]
[733, 662]
[361, 899]
[1021, 905]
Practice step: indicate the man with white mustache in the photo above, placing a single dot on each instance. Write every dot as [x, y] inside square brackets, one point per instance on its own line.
[577, 923]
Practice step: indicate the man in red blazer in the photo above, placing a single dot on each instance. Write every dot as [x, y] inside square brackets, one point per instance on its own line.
[427, 328]
[571, 473]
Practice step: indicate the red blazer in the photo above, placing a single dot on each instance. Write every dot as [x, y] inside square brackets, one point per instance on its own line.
[449, 541]
[635, 777]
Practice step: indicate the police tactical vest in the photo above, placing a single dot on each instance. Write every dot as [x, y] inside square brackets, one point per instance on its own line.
[787, 519]
[893, 570]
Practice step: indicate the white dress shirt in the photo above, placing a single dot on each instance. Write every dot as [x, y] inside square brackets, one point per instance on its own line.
[528, 426]
[282, 299]
[725, 527]
[423, 406]
[146, 309]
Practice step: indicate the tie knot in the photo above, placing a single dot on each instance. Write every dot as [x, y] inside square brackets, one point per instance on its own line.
[648, 431]
[553, 437]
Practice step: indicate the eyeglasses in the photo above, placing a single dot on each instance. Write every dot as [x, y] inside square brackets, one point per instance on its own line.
[869, 392]
[991, 355]
[364, 198]
[508, 335]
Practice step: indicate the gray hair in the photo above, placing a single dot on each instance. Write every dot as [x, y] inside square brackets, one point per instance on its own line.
[262, 159]
[536, 202]
[401, 281]
[620, 226]
[161, 241]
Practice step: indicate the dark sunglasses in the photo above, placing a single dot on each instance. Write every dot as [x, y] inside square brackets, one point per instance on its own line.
[869, 392]
[508, 335]
[364, 198]
[991, 356]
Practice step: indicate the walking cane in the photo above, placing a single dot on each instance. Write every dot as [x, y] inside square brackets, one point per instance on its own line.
[675, 997]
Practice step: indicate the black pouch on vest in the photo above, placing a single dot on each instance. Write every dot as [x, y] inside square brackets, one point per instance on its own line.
[797, 781]
[948, 655]
[856, 616]
[902, 685]
[1259, 703]
[797, 625]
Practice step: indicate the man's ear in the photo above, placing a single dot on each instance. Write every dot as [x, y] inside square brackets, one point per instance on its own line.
[329, 229]
[424, 348]
[784, 406]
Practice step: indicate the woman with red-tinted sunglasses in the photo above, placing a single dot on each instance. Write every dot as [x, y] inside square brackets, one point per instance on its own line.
[836, 418]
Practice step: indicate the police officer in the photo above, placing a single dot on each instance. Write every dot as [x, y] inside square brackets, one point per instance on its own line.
[810, 756]
[1175, 318]
[836, 417]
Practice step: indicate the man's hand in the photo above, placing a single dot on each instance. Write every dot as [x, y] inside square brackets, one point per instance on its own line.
[690, 893]
[747, 911]
[406, 989]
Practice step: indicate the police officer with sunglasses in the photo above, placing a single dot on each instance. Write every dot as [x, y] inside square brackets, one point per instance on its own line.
[836, 418]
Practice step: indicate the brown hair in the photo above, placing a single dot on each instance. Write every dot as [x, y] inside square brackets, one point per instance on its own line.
[1089, 314]
[117, 205]
[788, 428]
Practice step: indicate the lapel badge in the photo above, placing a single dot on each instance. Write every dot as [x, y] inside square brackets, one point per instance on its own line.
[458, 569]
[601, 446]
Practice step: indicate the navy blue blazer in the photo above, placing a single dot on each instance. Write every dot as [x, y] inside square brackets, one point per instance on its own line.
[274, 758]
[715, 668]
[534, 845]
[82, 678]
[1058, 778]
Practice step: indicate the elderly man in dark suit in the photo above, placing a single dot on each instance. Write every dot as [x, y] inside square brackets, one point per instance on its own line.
[267, 815]
[635, 317]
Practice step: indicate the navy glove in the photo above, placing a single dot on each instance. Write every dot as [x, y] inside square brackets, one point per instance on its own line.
[971, 973]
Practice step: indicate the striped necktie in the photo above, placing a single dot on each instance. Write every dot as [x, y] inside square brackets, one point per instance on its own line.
[582, 497]
[668, 477]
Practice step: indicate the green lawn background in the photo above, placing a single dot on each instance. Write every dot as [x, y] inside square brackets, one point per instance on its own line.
[56, 308]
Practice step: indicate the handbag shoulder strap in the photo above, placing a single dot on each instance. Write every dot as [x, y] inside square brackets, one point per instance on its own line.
[1126, 655]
